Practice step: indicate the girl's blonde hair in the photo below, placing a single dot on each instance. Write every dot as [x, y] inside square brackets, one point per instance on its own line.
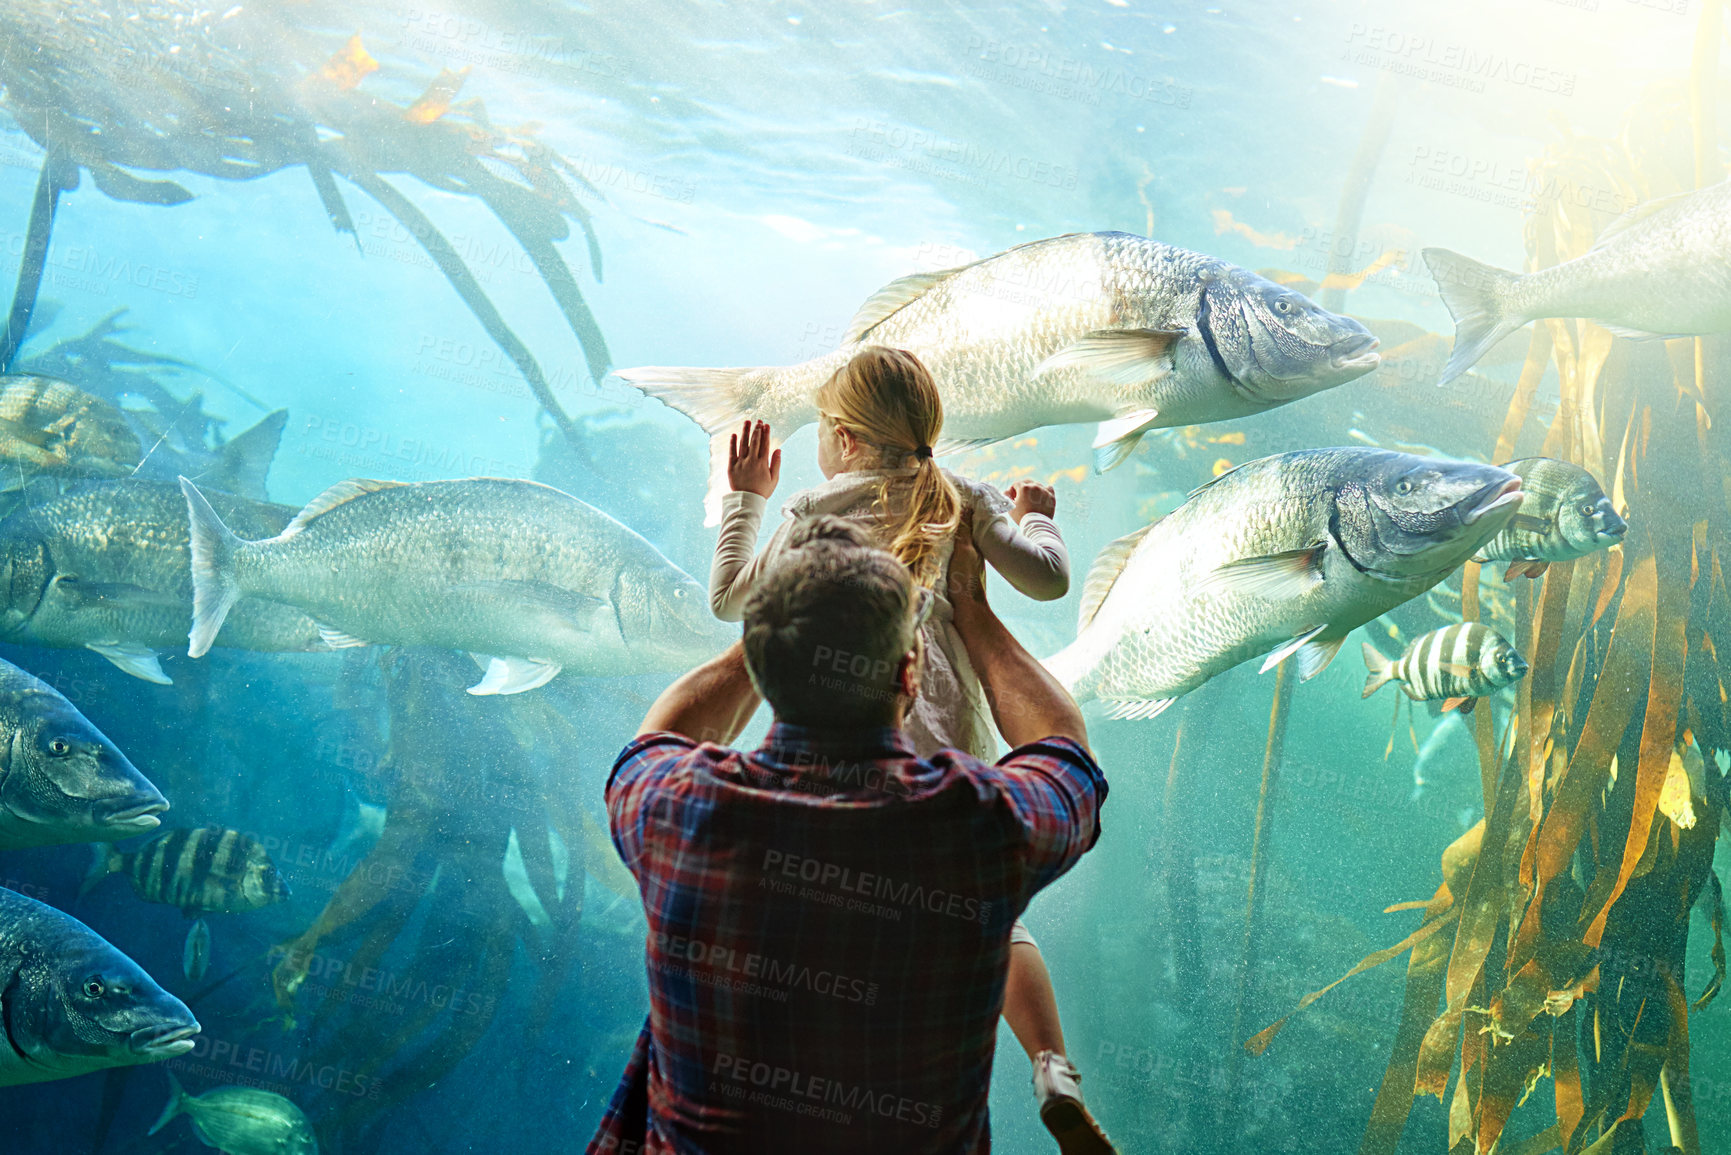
[888, 400]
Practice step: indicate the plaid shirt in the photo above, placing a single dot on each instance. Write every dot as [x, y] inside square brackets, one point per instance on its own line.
[829, 923]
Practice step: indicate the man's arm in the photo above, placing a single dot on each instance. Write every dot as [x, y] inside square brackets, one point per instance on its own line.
[710, 704]
[1027, 702]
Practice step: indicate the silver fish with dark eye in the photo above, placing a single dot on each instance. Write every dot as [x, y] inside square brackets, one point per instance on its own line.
[1090, 327]
[1565, 515]
[61, 779]
[1656, 271]
[241, 1120]
[528, 579]
[1281, 556]
[74, 1003]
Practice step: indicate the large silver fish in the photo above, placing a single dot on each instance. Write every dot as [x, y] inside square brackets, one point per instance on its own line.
[1107, 327]
[61, 779]
[107, 566]
[1564, 515]
[74, 1003]
[241, 1120]
[1286, 554]
[529, 579]
[1656, 271]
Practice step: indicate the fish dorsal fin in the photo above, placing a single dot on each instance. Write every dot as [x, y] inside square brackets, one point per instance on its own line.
[891, 298]
[334, 496]
[1104, 572]
[1636, 215]
[1216, 479]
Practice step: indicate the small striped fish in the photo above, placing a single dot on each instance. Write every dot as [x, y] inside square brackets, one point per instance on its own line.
[204, 869]
[1460, 663]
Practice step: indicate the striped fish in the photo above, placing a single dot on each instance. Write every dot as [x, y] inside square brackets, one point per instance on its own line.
[1564, 515]
[204, 869]
[1460, 664]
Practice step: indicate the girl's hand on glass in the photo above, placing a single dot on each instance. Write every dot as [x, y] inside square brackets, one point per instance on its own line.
[1031, 497]
[751, 466]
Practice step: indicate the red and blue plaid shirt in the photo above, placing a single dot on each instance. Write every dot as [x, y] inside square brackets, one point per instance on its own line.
[829, 923]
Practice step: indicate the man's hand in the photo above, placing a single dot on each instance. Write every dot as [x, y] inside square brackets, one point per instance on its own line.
[1030, 497]
[1027, 702]
[967, 582]
[751, 467]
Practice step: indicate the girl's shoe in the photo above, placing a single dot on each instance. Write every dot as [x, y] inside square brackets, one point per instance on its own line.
[1058, 1086]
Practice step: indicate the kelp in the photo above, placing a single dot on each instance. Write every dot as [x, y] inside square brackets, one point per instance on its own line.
[428, 909]
[241, 94]
[1556, 945]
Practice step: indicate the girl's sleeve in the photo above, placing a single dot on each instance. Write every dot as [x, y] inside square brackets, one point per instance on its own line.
[737, 564]
[1032, 558]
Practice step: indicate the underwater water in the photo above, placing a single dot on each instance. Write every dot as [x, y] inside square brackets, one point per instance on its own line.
[292, 243]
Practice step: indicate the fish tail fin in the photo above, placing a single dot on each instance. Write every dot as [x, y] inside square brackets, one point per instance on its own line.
[720, 400]
[214, 588]
[1381, 670]
[1477, 298]
[176, 1100]
[246, 459]
[104, 861]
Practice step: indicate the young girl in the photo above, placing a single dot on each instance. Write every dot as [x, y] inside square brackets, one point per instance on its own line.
[880, 417]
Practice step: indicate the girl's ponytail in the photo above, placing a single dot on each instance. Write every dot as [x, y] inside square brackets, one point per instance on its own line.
[888, 399]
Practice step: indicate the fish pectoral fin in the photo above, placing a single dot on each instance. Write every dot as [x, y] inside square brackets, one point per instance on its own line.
[1292, 647]
[1116, 438]
[1456, 669]
[1288, 574]
[337, 640]
[1314, 656]
[1121, 357]
[1525, 567]
[513, 675]
[139, 661]
[1464, 705]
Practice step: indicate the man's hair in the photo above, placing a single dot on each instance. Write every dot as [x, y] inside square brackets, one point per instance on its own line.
[827, 626]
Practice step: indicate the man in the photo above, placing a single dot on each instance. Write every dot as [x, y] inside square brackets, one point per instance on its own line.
[829, 916]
